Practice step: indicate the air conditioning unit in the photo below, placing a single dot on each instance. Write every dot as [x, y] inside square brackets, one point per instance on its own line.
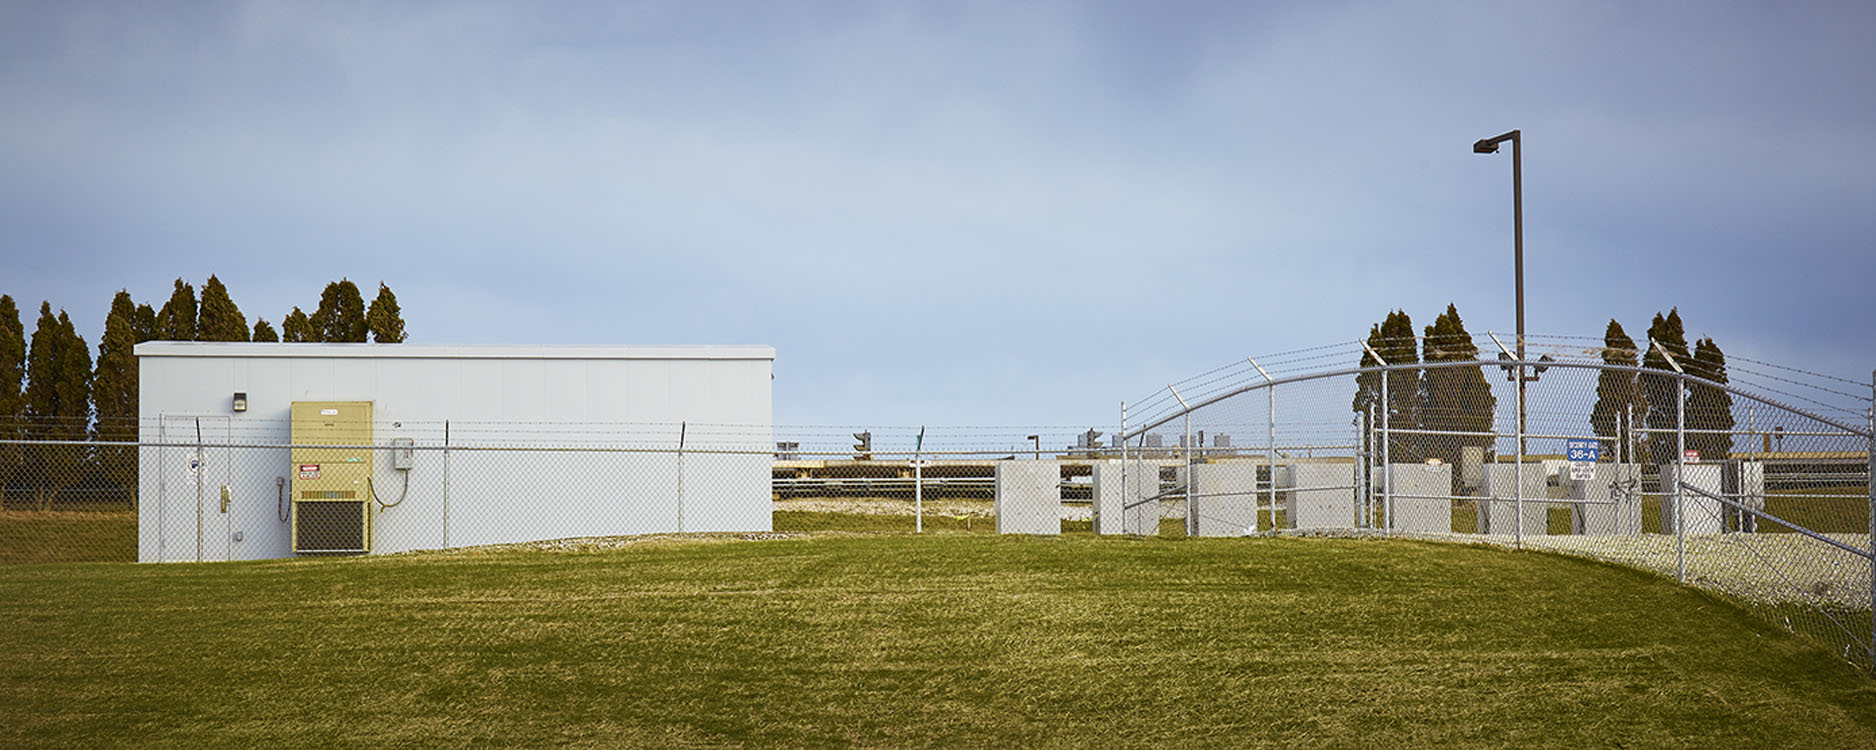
[331, 485]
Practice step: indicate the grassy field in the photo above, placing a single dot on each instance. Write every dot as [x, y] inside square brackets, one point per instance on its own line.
[857, 637]
[30, 536]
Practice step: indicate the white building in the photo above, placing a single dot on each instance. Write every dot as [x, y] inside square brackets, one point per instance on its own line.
[507, 444]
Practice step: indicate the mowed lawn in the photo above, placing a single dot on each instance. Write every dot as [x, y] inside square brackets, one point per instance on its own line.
[890, 640]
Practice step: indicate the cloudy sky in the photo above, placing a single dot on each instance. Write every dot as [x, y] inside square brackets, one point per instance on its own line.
[955, 213]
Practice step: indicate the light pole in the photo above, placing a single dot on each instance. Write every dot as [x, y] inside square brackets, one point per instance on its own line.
[1490, 146]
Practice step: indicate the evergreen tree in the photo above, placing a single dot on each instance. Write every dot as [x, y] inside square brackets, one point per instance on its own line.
[296, 327]
[1661, 392]
[12, 368]
[1458, 398]
[58, 401]
[176, 321]
[12, 396]
[143, 323]
[1406, 391]
[1618, 395]
[387, 327]
[341, 313]
[1709, 409]
[220, 320]
[114, 394]
[114, 383]
[265, 332]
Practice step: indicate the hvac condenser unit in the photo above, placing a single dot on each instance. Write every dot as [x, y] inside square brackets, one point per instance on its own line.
[331, 485]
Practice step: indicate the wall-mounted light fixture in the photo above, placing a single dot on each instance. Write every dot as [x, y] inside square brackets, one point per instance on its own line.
[240, 401]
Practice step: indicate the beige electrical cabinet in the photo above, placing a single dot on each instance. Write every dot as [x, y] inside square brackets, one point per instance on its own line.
[332, 486]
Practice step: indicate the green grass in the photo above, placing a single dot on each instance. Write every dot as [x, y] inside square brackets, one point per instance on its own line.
[28, 536]
[947, 639]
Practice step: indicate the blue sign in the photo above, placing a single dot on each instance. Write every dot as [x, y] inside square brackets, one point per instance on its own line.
[1585, 451]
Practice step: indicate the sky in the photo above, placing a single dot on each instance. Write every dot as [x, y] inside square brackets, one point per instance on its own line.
[955, 213]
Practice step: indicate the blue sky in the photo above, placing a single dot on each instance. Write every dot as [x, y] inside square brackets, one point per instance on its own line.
[955, 213]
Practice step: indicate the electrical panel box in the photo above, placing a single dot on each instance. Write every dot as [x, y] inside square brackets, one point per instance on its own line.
[403, 453]
[332, 485]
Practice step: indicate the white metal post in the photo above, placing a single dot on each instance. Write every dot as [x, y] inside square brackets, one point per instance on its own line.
[681, 429]
[1517, 467]
[1387, 459]
[1192, 516]
[1872, 524]
[918, 483]
[445, 484]
[1270, 451]
[1680, 478]
[198, 489]
[1124, 498]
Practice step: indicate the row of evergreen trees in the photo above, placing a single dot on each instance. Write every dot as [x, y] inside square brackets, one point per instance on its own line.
[1637, 405]
[1652, 399]
[51, 390]
[1455, 399]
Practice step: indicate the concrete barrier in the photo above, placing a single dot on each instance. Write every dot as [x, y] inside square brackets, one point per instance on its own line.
[1225, 497]
[1140, 515]
[1029, 497]
[1420, 498]
[1498, 510]
[1109, 497]
[1704, 514]
[1319, 496]
[1612, 501]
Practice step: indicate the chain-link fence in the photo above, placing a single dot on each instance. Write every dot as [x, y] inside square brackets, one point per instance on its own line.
[1581, 450]
[1758, 487]
[214, 488]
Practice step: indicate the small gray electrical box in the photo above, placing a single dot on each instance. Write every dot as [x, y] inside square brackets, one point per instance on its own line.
[401, 454]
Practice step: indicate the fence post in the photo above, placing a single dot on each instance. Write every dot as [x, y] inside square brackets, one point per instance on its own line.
[1387, 456]
[1124, 497]
[1270, 458]
[681, 429]
[198, 489]
[918, 483]
[445, 484]
[1680, 477]
[1517, 468]
[1192, 513]
[1872, 523]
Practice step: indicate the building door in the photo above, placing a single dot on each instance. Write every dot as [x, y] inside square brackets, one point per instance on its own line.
[194, 524]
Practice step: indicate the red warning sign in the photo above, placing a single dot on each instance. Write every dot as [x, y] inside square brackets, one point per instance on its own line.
[309, 471]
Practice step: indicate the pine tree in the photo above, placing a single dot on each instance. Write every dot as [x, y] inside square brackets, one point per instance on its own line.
[143, 323]
[114, 384]
[176, 321]
[1618, 395]
[1458, 398]
[1406, 389]
[114, 394]
[220, 320]
[265, 332]
[383, 319]
[58, 401]
[1709, 409]
[12, 396]
[296, 328]
[341, 313]
[1661, 392]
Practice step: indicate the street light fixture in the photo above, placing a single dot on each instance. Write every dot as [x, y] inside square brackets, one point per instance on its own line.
[1490, 146]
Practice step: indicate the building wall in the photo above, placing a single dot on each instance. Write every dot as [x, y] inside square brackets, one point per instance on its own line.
[618, 409]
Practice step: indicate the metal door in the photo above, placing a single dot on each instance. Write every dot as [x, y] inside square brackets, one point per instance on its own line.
[193, 523]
